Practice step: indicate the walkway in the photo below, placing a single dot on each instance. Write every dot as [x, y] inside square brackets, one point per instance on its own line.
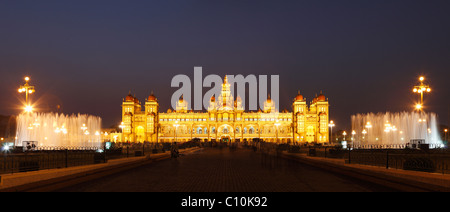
[225, 170]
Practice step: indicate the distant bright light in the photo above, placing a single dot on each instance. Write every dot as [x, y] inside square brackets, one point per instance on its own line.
[29, 109]
[418, 106]
[6, 148]
[331, 124]
[422, 78]
[344, 144]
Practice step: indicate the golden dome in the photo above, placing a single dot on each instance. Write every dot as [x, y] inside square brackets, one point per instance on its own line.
[321, 97]
[299, 97]
[129, 98]
[152, 97]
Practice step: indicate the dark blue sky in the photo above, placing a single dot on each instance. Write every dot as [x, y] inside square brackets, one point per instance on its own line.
[364, 55]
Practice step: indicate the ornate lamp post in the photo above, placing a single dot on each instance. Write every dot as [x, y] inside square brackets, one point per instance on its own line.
[331, 125]
[353, 136]
[364, 132]
[368, 126]
[121, 126]
[421, 89]
[446, 131]
[28, 90]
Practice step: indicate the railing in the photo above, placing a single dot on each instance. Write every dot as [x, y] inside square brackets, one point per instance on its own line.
[408, 159]
[435, 160]
[47, 159]
[41, 158]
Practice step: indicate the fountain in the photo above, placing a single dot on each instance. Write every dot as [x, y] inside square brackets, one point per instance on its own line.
[58, 130]
[396, 130]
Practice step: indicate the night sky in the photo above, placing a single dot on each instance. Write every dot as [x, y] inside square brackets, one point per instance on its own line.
[87, 55]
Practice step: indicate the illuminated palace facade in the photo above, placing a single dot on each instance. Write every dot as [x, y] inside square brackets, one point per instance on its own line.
[225, 120]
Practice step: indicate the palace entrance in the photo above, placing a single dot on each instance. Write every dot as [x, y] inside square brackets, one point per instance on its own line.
[225, 138]
[140, 134]
[310, 134]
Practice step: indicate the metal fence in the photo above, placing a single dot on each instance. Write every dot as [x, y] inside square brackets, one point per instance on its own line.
[47, 159]
[41, 158]
[435, 160]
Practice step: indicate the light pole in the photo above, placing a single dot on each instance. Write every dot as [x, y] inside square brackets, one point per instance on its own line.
[364, 135]
[446, 130]
[84, 129]
[353, 136]
[121, 126]
[344, 134]
[27, 89]
[368, 126]
[331, 125]
[421, 89]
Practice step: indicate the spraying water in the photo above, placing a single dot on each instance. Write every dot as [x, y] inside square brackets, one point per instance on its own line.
[396, 129]
[58, 130]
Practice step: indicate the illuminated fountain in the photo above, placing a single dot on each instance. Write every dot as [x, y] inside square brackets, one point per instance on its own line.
[396, 129]
[58, 130]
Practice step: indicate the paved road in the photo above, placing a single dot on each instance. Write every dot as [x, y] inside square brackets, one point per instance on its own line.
[224, 170]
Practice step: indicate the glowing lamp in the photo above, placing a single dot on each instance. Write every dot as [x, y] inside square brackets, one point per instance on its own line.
[29, 109]
[418, 106]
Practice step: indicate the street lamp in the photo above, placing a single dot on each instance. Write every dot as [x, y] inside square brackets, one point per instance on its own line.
[419, 107]
[421, 89]
[331, 125]
[28, 108]
[28, 90]
[353, 135]
[388, 127]
[344, 134]
[446, 130]
[368, 126]
[121, 126]
[364, 132]
[84, 129]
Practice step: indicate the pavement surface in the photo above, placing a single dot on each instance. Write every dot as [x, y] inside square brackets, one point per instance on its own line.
[53, 179]
[225, 170]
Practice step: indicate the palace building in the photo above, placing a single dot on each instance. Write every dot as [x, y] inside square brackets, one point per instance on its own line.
[225, 120]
